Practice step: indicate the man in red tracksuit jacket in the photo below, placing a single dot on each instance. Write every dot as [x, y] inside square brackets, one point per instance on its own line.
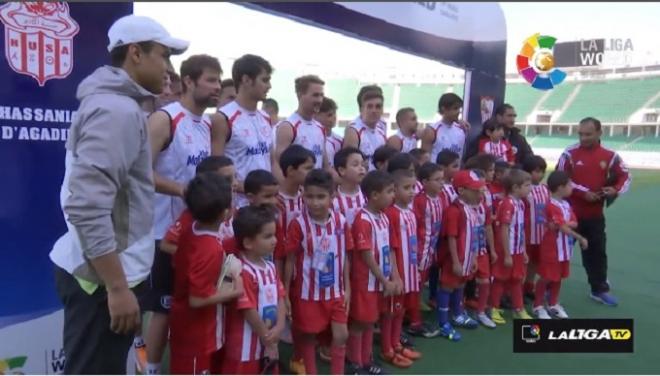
[599, 175]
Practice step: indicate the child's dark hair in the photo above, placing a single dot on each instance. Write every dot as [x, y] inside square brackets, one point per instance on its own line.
[294, 156]
[446, 157]
[213, 164]
[341, 158]
[401, 174]
[490, 125]
[328, 105]
[383, 154]
[402, 112]
[449, 100]
[249, 222]
[515, 177]
[375, 181]
[557, 179]
[400, 161]
[481, 161]
[533, 163]
[501, 167]
[257, 179]
[426, 170]
[320, 178]
[417, 153]
[207, 196]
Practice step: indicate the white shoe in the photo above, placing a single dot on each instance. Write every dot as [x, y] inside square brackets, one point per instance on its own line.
[486, 321]
[541, 313]
[558, 311]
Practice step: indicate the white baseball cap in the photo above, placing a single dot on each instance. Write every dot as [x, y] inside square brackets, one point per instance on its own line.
[133, 29]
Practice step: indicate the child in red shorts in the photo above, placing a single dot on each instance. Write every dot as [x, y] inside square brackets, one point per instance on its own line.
[511, 265]
[374, 272]
[319, 240]
[403, 244]
[556, 247]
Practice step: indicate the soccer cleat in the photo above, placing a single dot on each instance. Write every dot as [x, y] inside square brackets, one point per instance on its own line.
[324, 353]
[449, 332]
[496, 316]
[374, 369]
[396, 359]
[141, 358]
[522, 314]
[408, 352]
[464, 321]
[405, 340]
[423, 330]
[605, 298]
[541, 313]
[486, 321]
[558, 311]
[297, 366]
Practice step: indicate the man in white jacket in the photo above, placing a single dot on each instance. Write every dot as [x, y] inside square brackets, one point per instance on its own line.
[107, 199]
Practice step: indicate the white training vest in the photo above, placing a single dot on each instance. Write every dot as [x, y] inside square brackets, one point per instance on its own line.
[308, 134]
[369, 139]
[450, 137]
[190, 144]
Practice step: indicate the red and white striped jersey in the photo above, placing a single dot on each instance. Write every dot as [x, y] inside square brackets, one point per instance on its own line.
[289, 207]
[333, 144]
[428, 213]
[418, 187]
[369, 139]
[462, 222]
[320, 250]
[448, 195]
[371, 233]
[403, 240]
[501, 150]
[484, 218]
[349, 204]
[535, 213]
[512, 212]
[560, 213]
[263, 290]
[309, 134]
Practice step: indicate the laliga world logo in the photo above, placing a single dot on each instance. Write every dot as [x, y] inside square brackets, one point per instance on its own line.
[536, 62]
[39, 38]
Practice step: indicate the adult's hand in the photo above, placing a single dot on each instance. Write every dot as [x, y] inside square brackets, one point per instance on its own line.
[591, 196]
[124, 310]
[609, 192]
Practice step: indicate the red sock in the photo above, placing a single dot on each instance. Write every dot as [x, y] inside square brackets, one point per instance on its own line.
[529, 286]
[397, 324]
[483, 289]
[308, 352]
[539, 295]
[354, 345]
[414, 313]
[367, 344]
[496, 293]
[554, 292]
[516, 294]
[385, 334]
[337, 356]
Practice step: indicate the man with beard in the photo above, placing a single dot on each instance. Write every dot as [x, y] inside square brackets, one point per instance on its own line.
[180, 135]
[300, 128]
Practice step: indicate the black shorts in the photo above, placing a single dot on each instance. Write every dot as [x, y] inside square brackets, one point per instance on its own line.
[161, 283]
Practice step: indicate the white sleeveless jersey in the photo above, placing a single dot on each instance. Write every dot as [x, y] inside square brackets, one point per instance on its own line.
[448, 136]
[333, 144]
[407, 143]
[369, 139]
[250, 142]
[308, 134]
[190, 144]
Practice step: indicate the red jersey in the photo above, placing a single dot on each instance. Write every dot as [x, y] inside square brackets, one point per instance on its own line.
[288, 208]
[559, 213]
[535, 213]
[197, 264]
[183, 223]
[448, 195]
[403, 242]
[320, 250]
[462, 222]
[501, 150]
[497, 193]
[428, 213]
[512, 212]
[370, 233]
[263, 290]
[349, 204]
[590, 169]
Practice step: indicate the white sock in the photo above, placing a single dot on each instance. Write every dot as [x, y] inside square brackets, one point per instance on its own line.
[138, 341]
[153, 368]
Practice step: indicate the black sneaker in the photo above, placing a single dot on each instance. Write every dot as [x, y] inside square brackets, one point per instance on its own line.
[353, 369]
[406, 341]
[425, 330]
[506, 302]
[374, 369]
[529, 297]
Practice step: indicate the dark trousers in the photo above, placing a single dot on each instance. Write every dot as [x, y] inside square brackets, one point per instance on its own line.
[89, 344]
[594, 259]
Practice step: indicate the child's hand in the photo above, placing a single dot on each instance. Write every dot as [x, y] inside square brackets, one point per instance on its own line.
[389, 288]
[493, 258]
[526, 258]
[457, 269]
[399, 286]
[287, 306]
[473, 268]
[584, 243]
[508, 261]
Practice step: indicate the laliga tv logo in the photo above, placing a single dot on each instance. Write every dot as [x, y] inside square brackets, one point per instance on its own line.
[12, 366]
[536, 62]
[39, 39]
[531, 333]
